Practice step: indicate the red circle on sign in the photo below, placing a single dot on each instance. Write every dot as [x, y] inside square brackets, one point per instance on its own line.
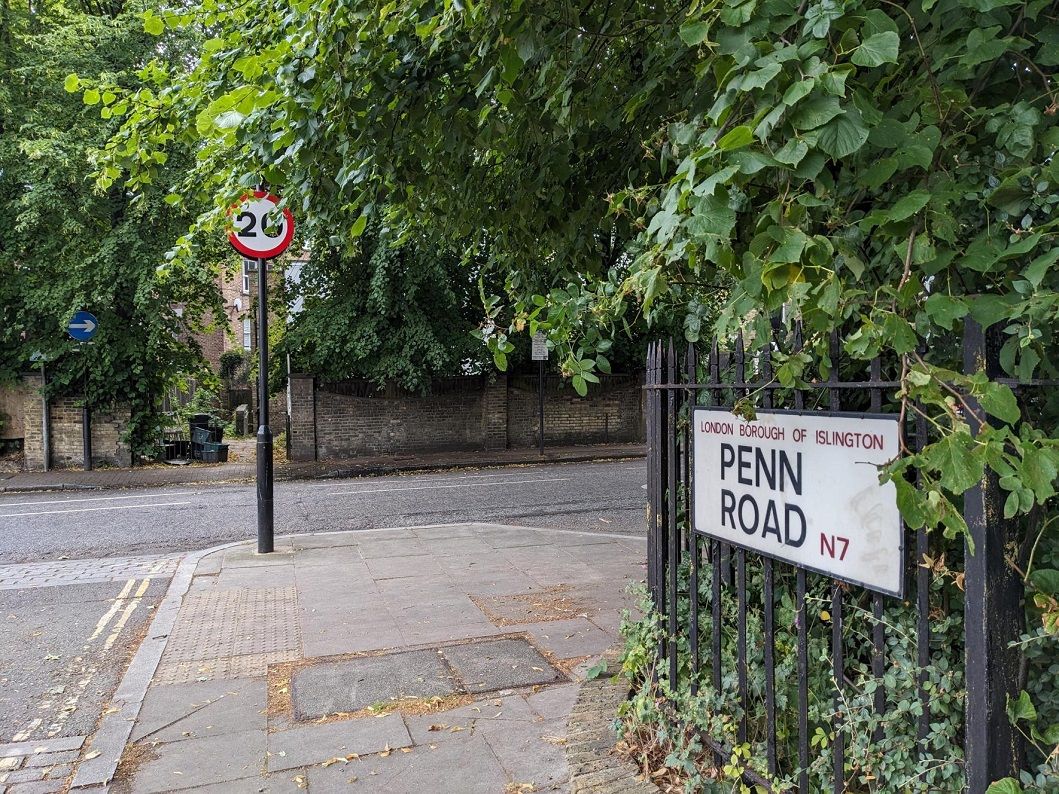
[239, 237]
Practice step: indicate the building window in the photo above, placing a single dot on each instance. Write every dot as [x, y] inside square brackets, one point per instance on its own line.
[246, 278]
[248, 333]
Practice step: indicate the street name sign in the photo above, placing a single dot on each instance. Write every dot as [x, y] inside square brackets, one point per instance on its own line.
[539, 350]
[260, 229]
[802, 488]
[82, 326]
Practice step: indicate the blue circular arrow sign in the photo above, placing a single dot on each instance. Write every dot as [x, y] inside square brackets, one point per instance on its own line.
[83, 326]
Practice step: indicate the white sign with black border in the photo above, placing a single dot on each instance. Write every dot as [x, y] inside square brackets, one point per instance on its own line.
[803, 488]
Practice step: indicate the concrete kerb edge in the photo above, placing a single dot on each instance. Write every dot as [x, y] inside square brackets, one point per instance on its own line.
[114, 729]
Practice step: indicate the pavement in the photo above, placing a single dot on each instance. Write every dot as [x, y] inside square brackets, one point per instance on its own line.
[156, 475]
[439, 658]
[607, 496]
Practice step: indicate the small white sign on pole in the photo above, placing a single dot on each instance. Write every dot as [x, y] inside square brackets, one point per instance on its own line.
[540, 347]
[802, 488]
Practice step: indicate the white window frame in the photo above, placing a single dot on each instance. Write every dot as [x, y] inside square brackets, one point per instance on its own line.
[248, 333]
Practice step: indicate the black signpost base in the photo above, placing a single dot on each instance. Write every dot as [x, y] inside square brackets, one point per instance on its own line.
[264, 490]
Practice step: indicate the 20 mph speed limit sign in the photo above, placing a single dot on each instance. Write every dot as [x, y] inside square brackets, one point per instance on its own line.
[260, 230]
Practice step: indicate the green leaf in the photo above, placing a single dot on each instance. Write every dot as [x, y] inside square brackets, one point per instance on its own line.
[844, 135]
[1038, 268]
[358, 226]
[999, 401]
[736, 138]
[1007, 785]
[951, 457]
[983, 45]
[694, 33]
[596, 670]
[815, 112]
[909, 205]
[1046, 580]
[945, 310]
[877, 50]
[580, 385]
[71, 83]
[1022, 708]
[153, 24]
[760, 78]
[91, 97]
[791, 246]
[1039, 470]
[792, 152]
[989, 309]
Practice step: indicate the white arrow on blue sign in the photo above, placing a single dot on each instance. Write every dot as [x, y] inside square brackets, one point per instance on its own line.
[82, 326]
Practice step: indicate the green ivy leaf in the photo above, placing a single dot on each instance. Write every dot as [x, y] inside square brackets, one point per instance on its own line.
[877, 50]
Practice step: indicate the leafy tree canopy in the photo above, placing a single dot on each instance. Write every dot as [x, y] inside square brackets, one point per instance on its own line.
[64, 247]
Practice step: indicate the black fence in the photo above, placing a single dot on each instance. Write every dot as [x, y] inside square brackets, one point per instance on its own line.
[698, 634]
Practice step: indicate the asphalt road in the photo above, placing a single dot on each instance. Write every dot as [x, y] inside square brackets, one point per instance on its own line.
[605, 496]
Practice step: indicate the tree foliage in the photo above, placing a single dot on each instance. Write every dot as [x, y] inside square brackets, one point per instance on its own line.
[64, 247]
[399, 314]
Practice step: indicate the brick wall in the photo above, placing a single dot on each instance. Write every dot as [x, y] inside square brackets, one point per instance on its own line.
[612, 412]
[331, 422]
[66, 440]
[12, 420]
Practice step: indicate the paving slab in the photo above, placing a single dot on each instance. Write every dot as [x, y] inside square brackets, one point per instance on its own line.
[203, 708]
[498, 664]
[467, 767]
[355, 684]
[315, 744]
[197, 762]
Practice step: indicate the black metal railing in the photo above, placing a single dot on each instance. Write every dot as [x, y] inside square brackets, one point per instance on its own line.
[679, 558]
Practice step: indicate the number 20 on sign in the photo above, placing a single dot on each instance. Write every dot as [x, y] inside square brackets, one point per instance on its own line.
[260, 229]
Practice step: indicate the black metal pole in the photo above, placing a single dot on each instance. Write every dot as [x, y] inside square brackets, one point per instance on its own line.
[264, 433]
[540, 396]
[86, 422]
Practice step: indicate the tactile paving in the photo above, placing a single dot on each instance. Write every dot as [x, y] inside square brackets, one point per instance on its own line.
[231, 634]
